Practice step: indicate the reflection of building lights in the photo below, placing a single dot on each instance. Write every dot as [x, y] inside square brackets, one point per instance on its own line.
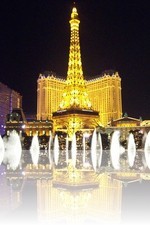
[145, 176]
[75, 179]
[23, 173]
[75, 200]
[23, 126]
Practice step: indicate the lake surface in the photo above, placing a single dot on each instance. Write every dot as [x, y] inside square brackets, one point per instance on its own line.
[46, 194]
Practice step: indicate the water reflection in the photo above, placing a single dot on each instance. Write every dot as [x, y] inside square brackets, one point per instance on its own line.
[42, 194]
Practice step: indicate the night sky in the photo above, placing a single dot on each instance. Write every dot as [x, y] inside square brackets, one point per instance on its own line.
[114, 34]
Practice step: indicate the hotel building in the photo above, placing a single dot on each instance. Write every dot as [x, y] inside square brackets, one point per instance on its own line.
[104, 93]
[49, 94]
[9, 99]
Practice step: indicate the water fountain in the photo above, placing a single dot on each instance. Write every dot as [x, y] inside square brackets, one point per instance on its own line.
[147, 150]
[96, 150]
[1, 150]
[35, 150]
[131, 150]
[115, 150]
[100, 149]
[49, 149]
[93, 150]
[12, 153]
[74, 150]
[83, 142]
[85, 159]
[13, 150]
[56, 149]
[67, 156]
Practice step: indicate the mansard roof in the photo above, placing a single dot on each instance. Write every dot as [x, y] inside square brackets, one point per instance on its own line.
[127, 118]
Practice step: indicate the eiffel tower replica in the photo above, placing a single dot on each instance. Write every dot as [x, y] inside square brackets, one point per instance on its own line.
[75, 111]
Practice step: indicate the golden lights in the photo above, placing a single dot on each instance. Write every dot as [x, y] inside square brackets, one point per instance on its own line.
[74, 95]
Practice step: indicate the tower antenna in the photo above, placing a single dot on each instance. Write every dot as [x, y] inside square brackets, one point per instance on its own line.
[74, 4]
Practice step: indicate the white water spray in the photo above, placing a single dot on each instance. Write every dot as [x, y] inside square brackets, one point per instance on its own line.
[131, 150]
[67, 156]
[96, 150]
[147, 150]
[1, 150]
[115, 150]
[83, 142]
[49, 149]
[13, 150]
[74, 150]
[35, 150]
[56, 149]
[99, 149]
[93, 150]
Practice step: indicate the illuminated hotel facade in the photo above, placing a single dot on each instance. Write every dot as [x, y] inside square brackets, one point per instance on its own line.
[49, 94]
[103, 93]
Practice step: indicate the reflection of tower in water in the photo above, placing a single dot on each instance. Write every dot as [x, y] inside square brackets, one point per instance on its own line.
[106, 201]
[101, 204]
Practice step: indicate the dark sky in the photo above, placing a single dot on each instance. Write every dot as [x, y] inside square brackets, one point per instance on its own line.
[114, 34]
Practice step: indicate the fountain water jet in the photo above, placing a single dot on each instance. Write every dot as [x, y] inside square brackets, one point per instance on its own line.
[96, 150]
[115, 149]
[35, 150]
[2, 149]
[49, 149]
[74, 150]
[100, 149]
[13, 150]
[67, 156]
[131, 150]
[83, 141]
[56, 149]
[93, 150]
[147, 150]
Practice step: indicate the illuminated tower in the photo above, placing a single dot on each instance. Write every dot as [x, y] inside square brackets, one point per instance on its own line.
[75, 94]
[75, 112]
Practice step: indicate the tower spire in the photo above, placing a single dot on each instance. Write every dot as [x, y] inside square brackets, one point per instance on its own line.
[74, 4]
[75, 94]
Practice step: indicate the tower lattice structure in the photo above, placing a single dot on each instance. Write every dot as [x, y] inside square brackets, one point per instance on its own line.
[75, 93]
[75, 110]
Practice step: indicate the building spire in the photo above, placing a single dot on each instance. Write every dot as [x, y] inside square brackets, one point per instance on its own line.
[75, 94]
